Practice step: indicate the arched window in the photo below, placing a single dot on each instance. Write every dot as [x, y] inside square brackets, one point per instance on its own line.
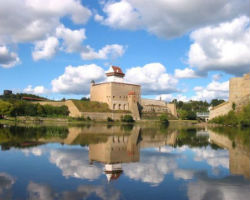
[114, 106]
[119, 107]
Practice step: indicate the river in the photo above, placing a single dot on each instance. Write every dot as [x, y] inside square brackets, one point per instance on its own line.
[124, 162]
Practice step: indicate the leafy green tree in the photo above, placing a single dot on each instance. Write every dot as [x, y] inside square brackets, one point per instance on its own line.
[5, 108]
[164, 119]
[127, 118]
[216, 102]
[191, 115]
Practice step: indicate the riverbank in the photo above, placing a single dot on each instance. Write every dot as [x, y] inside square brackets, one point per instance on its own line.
[30, 121]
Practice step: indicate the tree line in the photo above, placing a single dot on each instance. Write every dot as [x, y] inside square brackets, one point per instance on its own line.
[188, 110]
[24, 108]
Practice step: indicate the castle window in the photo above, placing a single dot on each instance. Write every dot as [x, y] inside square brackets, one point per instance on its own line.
[114, 106]
[119, 107]
[113, 97]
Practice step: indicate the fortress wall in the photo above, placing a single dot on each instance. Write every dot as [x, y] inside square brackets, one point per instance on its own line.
[103, 116]
[52, 103]
[119, 91]
[147, 102]
[101, 93]
[239, 93]
[151, 105]
[114, 94]
[221, 109]
[239, 87]
[172, 108]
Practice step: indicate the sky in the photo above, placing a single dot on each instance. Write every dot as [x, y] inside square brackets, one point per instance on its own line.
[183, 49]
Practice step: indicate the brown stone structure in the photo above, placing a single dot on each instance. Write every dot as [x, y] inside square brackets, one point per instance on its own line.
[126, 96]
[239, 94]
[119, 96]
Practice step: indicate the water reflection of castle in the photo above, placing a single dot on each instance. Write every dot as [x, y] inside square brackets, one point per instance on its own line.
[120, 149]
[239, 154]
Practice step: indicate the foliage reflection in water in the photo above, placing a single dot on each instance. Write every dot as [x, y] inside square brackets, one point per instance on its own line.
[124, 162]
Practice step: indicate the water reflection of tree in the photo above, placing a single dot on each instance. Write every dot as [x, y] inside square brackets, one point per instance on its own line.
[20, 137]
[190, 138]
[240, 134]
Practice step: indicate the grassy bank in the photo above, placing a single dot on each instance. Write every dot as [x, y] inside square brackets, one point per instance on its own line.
[241, 118]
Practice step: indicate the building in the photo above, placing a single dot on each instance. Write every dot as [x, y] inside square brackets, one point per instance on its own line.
[120, 95]
[239, 95]
[7, 92]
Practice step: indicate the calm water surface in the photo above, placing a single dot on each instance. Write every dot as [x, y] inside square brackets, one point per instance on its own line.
[124, 162]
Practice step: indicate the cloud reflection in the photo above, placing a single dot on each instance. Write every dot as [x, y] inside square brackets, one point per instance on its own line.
[151, 168]
[6, 182]
[74, 163]
[38, 191]
[229, 188]
[214, 158]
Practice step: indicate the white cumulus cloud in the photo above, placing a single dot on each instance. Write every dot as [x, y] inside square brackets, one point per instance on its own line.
[35, 90]
[31, 20]
[76, 80]
[113, 51]
[185, 73]
[214, 90]
[8, 59]
[72, 39]
[168, 18]
[153, 78]
[225, 47]
[45, 49]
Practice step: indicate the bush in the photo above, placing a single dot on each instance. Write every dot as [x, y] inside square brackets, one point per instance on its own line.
[127, 118]
[164, 119]
[109, 119]
[88, 118]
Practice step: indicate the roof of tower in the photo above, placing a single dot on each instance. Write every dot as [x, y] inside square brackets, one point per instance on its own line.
[115, 71]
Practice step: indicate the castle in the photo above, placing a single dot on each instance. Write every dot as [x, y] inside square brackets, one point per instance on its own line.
[126, 96]
[239, 95]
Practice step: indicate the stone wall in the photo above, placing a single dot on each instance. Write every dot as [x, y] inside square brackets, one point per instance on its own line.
[239, 87]
[172, 108]
[239, 93]
[158, 106]
[114, 94]
[52, 103]
[102, 116]
[219, 110]
[148, 102]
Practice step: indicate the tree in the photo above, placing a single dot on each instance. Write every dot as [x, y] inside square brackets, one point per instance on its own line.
[164, 119]
[216, 102]
[5, 108]
[191, 115]
[127, 118]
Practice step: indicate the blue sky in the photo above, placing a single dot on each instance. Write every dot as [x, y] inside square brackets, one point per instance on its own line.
[174, 49]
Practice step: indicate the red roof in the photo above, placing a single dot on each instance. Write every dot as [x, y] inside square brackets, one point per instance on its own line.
[116, 72]
[117, 69]
[32, 99]
[131, 93]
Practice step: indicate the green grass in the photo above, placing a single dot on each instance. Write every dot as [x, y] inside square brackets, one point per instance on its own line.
[91, 106]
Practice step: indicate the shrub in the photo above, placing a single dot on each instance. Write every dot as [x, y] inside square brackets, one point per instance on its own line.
[109, 119]
[164, 119]
[88, 118]
[127, 118]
